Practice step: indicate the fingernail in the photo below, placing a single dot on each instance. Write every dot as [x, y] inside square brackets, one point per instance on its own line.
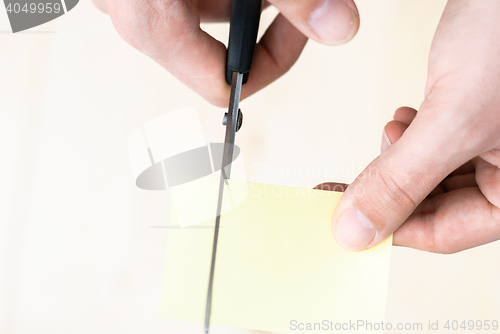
[334, 22]
[385, 142]
[354, 230]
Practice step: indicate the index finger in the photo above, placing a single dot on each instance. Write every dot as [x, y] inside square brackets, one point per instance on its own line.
[169, 32]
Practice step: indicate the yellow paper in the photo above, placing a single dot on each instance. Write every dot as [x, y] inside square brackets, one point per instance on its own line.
[278, 267]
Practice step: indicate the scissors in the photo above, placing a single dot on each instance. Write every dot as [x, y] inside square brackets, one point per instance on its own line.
[244, 26]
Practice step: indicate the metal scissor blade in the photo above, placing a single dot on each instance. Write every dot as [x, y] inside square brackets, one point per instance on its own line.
[227, 159]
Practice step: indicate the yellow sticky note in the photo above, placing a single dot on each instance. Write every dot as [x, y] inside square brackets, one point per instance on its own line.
[278, 267]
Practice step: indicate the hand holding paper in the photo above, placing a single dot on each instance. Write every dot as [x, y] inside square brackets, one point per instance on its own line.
[437, 188]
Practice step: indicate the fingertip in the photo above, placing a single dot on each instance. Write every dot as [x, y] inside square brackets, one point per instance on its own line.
[405, 115]
[353, 230]
[385, 142]
[334, 22]
[101, 5]
[394, 130]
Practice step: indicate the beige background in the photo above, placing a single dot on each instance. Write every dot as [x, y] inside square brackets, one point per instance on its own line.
[76, 251]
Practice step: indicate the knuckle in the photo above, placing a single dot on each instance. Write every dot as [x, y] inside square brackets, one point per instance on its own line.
[396, 193]
[391, 196]
[143, 24]
[428, 216]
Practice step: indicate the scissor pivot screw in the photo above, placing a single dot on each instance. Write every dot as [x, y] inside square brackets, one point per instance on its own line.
[240, 120]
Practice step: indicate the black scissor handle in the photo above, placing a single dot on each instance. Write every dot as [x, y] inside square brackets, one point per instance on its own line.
[244, 26]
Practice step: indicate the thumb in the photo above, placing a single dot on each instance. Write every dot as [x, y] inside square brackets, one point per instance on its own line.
[330, 22]
[385, 194]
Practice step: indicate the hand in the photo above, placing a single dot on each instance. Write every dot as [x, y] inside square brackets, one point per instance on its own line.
[436, 184]
[169, 32]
